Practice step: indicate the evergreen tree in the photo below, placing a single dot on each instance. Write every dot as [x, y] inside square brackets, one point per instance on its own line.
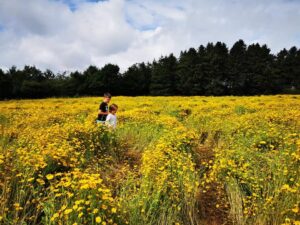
[218, 73]
[17, 79]
[187, 82]
[237, 68]
[259, 71]
[211, 70]
[104, 80]
[136, 80]
[292, 69]
[73, 84]
[5, 85]
[163, 76]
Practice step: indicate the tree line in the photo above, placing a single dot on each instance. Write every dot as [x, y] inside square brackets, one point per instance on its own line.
[209, 70]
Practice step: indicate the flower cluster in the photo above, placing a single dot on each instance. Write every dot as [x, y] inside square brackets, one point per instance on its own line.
[171, 160]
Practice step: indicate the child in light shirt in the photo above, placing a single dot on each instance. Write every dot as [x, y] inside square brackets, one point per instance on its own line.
[111, 119]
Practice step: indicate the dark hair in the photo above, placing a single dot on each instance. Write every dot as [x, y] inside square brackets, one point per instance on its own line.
[113, 107]
[107, 95]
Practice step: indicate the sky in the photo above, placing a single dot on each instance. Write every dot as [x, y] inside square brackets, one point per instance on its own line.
[68, 35]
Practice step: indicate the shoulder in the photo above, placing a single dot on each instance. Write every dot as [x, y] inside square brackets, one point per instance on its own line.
[103, 105]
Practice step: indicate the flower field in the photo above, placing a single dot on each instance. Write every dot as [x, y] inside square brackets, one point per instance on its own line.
[171, 160]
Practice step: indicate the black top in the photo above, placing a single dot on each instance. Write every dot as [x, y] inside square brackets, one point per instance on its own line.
[103, 108]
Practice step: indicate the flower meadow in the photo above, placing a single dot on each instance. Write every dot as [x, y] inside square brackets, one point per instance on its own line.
[171, 160]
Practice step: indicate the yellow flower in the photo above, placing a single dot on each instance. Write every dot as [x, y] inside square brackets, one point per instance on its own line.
[296, 209]
[68, 211]
[56, 215]
[95, 211]
[285, 187]
[98, 219]
[49, 176]
[77, 202]
[113, 210]
[40, 181]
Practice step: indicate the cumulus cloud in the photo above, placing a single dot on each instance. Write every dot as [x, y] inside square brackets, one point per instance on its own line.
[72, 34]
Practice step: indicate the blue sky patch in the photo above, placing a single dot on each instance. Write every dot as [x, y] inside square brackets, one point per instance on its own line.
[73, 4]
[1, 28]
[140, 27]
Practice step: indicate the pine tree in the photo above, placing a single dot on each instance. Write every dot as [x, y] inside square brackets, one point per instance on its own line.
[163, 76]
[237, 68]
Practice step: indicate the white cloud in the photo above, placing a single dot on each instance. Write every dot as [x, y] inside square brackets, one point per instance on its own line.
[48, 34]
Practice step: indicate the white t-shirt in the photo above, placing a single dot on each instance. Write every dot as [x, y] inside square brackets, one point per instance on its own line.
[111, 120]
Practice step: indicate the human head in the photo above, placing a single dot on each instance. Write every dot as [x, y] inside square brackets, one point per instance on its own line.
[107, 97]
[113, 108]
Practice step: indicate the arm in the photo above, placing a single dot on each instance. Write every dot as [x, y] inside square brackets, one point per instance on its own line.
[102, 113]
[108, 118]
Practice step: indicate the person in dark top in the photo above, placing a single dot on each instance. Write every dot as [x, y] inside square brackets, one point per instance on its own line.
[103, 108]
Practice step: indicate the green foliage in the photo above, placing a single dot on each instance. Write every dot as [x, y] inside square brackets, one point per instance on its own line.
[210, 70]
[163, 76]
